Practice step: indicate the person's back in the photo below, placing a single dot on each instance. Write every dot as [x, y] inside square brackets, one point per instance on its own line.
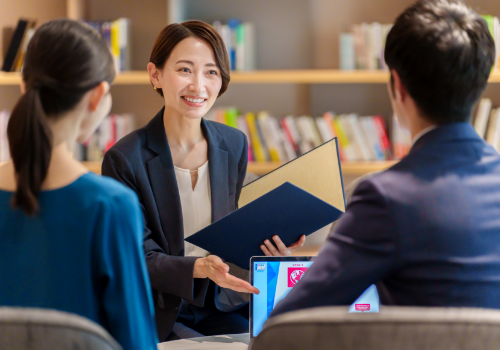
[71, 241]
[426, 230]
[81, 254]
[444, 200]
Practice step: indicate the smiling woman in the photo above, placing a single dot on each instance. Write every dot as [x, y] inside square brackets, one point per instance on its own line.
[188, 173]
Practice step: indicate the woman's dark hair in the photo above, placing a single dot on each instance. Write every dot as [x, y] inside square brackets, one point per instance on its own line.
[174, 33]
[443, 52]
[64, 60]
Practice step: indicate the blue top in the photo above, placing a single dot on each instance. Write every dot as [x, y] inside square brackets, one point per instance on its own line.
[82, 253]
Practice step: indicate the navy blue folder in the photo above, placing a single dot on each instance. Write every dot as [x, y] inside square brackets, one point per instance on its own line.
[287, 211]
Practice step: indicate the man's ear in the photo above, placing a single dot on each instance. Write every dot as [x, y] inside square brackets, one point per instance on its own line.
[154, 75]
[399, 89]
[96, 95]
[23, 87]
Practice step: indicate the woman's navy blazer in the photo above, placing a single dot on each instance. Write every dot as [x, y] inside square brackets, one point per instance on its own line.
[143, 162]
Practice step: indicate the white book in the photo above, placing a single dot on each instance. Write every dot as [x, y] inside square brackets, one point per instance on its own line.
[375, 45]
[227, 38]
[125, 59]
[305, 144]
[323, 129]
[366, 151]
[316, 137]
[279, 138]
[347, 52]
[269, 140]
[371, 135]
[483, 112]
[287, 145]
[250, 48]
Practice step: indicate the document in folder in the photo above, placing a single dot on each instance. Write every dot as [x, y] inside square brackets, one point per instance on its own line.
[296, 199]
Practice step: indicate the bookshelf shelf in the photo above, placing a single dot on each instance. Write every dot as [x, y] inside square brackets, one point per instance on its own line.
[311, 76]
[348, 168]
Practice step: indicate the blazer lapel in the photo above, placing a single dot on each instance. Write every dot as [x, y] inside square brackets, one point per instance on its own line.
[164, 184]
[218, 170]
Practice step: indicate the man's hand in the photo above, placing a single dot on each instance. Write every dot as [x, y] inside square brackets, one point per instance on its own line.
[281, 250]
[214, 268]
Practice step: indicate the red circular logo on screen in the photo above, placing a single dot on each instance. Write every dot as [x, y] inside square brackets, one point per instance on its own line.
[296, 276]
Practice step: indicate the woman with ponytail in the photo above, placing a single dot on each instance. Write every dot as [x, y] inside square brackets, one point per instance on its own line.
[70, 240]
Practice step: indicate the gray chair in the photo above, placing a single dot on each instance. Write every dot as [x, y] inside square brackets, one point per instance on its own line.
[394, 328]
[39, 329]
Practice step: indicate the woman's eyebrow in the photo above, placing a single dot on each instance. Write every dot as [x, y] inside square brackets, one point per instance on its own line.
[192, 63]
[185, 61]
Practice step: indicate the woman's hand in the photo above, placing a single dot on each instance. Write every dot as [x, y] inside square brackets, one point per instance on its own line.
[214, 268]
[281, 250]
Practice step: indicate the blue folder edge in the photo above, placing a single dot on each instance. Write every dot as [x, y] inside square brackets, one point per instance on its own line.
[238, 236]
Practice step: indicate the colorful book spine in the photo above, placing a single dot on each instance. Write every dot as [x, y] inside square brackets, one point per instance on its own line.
[239, 39]
[258, 149]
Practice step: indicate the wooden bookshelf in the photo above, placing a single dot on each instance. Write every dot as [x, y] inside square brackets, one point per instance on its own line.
[348, 168]
[308, 76]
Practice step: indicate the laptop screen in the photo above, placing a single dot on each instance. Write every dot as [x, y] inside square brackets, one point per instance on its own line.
[276, 276]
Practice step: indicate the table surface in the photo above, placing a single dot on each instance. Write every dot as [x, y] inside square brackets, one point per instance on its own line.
[223, 342]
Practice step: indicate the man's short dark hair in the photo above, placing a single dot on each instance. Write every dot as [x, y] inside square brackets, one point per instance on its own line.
[443, 53]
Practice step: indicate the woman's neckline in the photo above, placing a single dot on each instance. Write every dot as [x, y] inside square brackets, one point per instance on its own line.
[189, 171]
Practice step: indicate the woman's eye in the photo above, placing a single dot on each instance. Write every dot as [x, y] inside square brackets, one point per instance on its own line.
[184, 70]
[213, 72]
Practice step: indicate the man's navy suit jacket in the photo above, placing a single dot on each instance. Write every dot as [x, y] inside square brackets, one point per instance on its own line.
[427, 229]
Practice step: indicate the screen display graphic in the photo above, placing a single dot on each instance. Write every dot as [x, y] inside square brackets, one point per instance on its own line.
[275, 279]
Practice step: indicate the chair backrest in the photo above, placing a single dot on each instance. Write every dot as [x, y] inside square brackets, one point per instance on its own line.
[39, 329]
[394, 328]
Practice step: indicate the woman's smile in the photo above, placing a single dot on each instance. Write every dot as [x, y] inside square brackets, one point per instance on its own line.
[194, 101]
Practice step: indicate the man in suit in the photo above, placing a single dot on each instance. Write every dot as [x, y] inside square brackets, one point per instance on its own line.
[427, 229]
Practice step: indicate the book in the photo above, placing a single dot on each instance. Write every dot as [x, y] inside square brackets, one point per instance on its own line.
[15, 44]
[19, 61]
[347, 55]
[258, 150]
[283, 139]
[366, 43]
[110, 131]
[344, 140]
[239, 39]
[309, 192]
[371, 135]
[242, 125]
[379, 126]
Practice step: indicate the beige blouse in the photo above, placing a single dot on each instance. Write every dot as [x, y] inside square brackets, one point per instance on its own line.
[196, 205]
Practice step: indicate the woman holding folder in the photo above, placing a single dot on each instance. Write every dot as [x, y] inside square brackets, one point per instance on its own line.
[188, 173]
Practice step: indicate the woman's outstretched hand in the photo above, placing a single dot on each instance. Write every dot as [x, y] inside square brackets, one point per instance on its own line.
[281, 249]
[214, 268]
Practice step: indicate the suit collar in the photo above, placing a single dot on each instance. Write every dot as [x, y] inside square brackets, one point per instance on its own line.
[218, 164]
[446, 133]
[164, 183]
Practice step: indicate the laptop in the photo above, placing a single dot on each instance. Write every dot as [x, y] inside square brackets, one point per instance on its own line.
[276, 276]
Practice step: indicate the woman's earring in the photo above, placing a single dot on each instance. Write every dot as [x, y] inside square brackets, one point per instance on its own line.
[154, 86]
